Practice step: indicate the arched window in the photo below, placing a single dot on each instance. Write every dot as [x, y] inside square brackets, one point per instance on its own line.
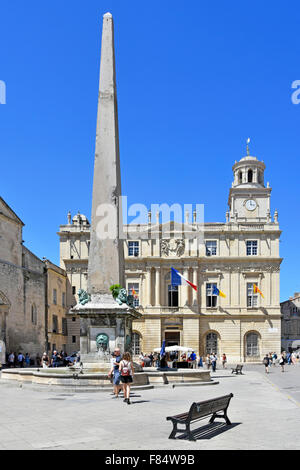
[136, 344]
[211, 343]
[250, 176]
[252, 345]
[240, 177]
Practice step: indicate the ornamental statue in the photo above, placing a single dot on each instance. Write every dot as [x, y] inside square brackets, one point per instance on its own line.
[102, 342]
[84, 297]
[120, 295]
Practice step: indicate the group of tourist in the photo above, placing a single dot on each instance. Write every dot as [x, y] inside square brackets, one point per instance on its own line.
[122, 370]
[56, 359]
[53, 359]
[285, 358]
[19, 360]
[171, 359]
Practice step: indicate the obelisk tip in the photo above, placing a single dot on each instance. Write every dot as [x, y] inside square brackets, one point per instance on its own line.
[107, 15]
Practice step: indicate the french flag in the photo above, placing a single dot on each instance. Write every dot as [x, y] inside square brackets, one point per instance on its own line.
[177, 279]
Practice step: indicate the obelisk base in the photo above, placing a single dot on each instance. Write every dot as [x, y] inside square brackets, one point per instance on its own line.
[104, 326]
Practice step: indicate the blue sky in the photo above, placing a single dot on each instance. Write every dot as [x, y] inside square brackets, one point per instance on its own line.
[194, 78]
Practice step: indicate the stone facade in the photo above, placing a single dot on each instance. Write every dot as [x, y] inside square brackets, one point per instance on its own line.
[22, 289]
[290, 327]
[233, 255]
[57, 328]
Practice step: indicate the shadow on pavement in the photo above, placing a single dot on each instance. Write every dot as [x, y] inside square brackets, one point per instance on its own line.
[140, 401]
[225, 376]
[209, 431]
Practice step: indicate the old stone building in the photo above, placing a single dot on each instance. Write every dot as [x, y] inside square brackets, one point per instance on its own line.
[33, 295]
[56, 308]
[290, 328]
[235, 257]
[22, 289]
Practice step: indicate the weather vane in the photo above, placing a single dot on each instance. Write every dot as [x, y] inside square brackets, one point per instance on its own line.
[248, 142]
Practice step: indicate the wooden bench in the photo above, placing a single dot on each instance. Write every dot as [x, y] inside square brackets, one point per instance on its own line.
[199, 411]
[237, 370]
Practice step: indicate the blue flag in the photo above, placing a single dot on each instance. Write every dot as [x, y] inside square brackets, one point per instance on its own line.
[217, 291]
[162, 351]
[175, 278]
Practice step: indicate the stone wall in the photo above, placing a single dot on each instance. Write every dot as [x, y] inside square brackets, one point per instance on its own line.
[22, 289]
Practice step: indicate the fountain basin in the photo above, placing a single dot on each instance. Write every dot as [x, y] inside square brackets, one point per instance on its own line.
[97, 381]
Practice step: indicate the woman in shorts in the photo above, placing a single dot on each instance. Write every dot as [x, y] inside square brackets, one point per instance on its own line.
[127, 374]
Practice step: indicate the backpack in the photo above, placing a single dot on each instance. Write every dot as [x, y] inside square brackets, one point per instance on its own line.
[266, 362]
[125, 369]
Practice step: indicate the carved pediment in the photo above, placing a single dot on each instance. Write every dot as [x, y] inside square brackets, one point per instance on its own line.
[173, 247]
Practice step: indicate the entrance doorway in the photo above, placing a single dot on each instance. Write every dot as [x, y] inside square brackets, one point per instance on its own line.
[172, 338]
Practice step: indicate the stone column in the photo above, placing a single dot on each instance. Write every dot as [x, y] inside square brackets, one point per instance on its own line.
[195, 282]
[148, 277]
[157, 286]
[185, 289]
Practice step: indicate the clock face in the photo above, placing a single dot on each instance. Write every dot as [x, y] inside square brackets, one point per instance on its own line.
[251, 205]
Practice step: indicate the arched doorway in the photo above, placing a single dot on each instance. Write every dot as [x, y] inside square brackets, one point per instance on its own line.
[211, 343]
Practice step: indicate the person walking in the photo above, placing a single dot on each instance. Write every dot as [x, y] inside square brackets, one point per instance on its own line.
[200, 363]
[266, 362]
[11, 360]
[127, 374]
[45, 361]
[115, 372]
[214, 362]
[55, 359]
[193, 358]
[282, 361]
[270, 360]
[208, 361]
[224, 360]
[27, 360]
[21, 359]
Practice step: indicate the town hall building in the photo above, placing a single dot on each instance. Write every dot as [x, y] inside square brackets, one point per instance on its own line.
[239, 257]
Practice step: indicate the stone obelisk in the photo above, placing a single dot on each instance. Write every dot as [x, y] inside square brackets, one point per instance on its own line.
[104, 323]
[106, 258]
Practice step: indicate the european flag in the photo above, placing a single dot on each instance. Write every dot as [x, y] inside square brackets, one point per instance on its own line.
[218, 292]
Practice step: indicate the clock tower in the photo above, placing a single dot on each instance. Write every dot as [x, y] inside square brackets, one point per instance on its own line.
[249, 198]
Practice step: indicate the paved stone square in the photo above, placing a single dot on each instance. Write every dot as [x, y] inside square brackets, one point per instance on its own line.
[265, 414]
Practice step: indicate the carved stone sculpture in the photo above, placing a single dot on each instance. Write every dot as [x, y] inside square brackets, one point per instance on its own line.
[84, 297]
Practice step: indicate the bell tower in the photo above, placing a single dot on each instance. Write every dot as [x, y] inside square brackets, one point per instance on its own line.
[249, 198]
